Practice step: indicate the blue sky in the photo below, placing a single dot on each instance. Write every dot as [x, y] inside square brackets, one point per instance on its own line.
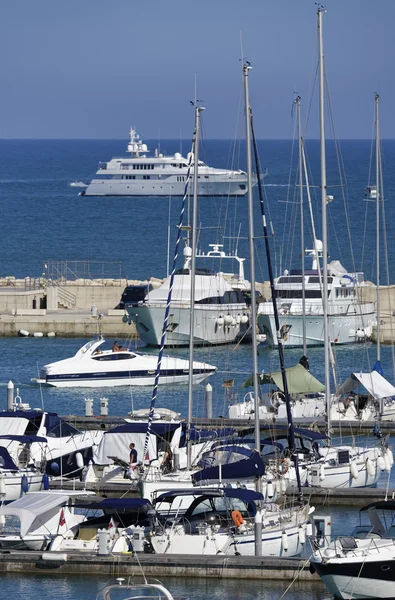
[92, 68]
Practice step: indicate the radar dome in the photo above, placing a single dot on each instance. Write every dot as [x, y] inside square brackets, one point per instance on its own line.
[177, 156]
[318, 245]
[187, 252]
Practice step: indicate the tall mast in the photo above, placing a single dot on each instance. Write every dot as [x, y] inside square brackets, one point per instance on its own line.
[246, 68]
[320, 12]
[300, 139]
[192, 271]
[378, 192]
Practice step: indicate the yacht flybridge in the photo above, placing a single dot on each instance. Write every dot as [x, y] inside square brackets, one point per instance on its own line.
[159, 175]
[350, 318]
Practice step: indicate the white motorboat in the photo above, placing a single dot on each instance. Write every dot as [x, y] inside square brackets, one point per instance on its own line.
[360, 565]
[221, 521]
[159, 175]
[43, 439]
[221, 314]
[34, 520]
[349, 319]
[93, 367]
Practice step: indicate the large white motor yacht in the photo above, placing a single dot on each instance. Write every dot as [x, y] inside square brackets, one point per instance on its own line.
[221, 314]
[159, 175]
[350, 319]
[93, 367]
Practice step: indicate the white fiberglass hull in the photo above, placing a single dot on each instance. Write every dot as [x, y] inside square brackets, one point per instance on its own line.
[16, 484]
[280, 542]
[207, 330]
[170, 187]
[343, 328]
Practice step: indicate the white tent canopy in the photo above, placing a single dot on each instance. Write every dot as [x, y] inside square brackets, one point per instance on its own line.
[373, 382]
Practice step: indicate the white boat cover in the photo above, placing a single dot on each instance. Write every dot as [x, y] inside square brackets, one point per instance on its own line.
[117, 444]
[13, 425]
[373, 382]
[33, 509]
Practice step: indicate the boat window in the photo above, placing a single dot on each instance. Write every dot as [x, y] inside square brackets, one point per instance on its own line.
[298, 293]
[33, 425]
[62, 429]
[203, 507]
[315, 279]
[292, 279]
[113, 356]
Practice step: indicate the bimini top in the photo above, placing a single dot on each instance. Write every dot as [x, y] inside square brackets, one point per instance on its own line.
[299, 379]
[33, 505]
[240, 493]
[373, 382]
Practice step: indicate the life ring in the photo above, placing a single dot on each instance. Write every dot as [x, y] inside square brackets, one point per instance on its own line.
[237, 518]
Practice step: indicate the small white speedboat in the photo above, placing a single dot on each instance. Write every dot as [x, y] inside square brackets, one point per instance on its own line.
[93, 367]
[79, 184]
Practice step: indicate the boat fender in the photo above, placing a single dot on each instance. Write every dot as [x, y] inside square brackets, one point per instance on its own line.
[284, 541]
[309, 529]
[38, 334]
[54, 468]
[238, 319]
[45, 482]
[2, 522]
[380, 463]
[237, 518]
[220, 321]
[283, 485]
[24, 484]
[302, 535]
[79, 460]
[278, 486]
[270, 490]
[370, 467]
[354, 470]
[387, 464]
[23, 333]
[234, 322]
[390, 456]
[228, 319]
[2, 485]
[244, 319]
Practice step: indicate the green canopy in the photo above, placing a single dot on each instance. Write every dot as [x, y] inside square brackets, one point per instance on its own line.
[299, 379]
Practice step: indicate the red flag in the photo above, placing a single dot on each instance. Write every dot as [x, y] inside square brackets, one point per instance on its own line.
[62, 520]
[147, 456]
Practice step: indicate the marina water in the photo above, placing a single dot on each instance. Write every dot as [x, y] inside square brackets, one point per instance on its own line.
[44, 219]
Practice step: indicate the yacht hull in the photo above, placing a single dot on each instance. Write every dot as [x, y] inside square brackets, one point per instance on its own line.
[115, 187]
[367, 579]
[342, 328]
[207, 330]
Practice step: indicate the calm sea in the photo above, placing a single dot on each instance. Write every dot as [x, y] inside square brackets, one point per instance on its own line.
[44, 219]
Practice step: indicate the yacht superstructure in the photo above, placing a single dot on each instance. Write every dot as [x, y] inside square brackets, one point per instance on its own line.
[221, 314]
[159, 175]
[350, 319]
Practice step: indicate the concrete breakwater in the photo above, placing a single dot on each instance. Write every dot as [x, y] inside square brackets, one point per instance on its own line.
[83, 307]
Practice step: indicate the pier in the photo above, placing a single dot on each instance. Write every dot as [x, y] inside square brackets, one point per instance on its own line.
[176, 565]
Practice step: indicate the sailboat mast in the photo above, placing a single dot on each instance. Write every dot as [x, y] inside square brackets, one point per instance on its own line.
[378, 192]
[246, 69]
[320, 12]
[297, 101]
[192, 271]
